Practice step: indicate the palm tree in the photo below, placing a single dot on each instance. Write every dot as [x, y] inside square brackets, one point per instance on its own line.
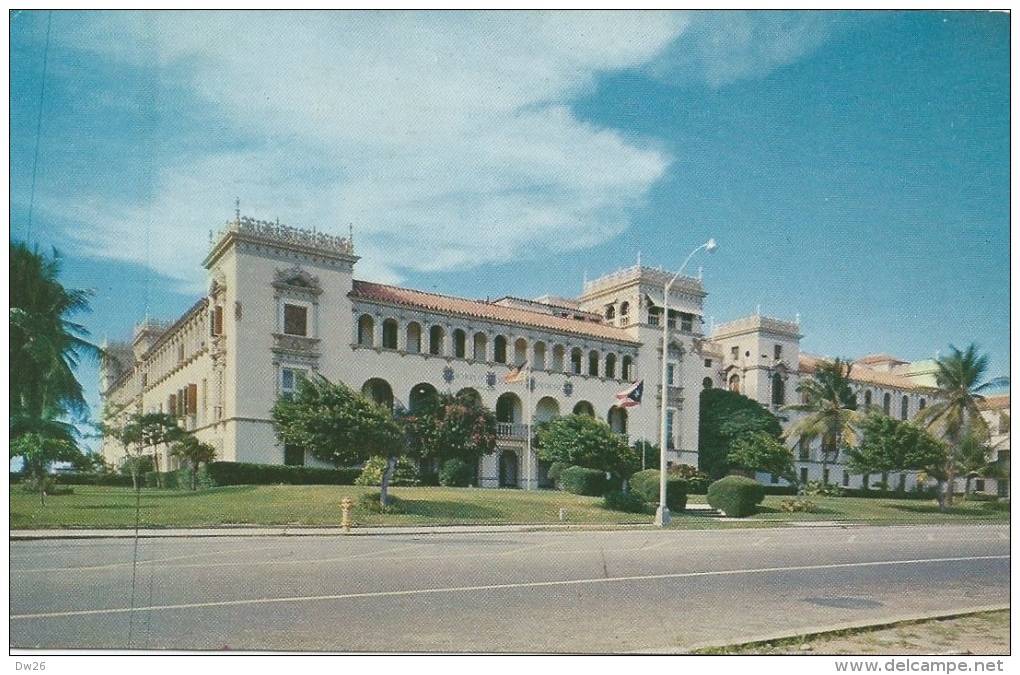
[955, 415]
[45, 345]
[828, 399]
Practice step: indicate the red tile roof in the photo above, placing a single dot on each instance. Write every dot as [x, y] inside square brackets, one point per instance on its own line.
[994, 402]
[861, 373]
[366, 290]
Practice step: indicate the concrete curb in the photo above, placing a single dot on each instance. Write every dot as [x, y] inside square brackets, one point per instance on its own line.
[821, 631]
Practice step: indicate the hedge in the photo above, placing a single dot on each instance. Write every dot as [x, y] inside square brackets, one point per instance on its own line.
[736, 496]
[242, 473]
[646, 485]
[581, 481]
[102, 479]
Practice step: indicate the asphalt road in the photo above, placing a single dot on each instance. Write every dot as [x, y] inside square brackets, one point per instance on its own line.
[507, 591]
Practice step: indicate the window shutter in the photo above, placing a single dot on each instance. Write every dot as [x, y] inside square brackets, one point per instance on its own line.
[171, 404]
[218, 320]
[192, 399]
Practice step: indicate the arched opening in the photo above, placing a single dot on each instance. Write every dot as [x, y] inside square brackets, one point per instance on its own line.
[520, 351]
[903, 408]
[593, 363]
[499, 349]
[436, 340]
[414, 337]
[480, 343]
[611, 366]
[459, 343]
[624, 310]
[610, 312]
[575, 360]
[508, 469]
[539, 362]
[584, 408]
[508, 408]
[706, 383]
[734, 383]
[627, 372]
[389, 334]
[366, 330]
[867, 400]
[420, 393]
[617, 420]
[469, 394]
[546, 409]
[557, 358]
[886, 403]
[379, 390]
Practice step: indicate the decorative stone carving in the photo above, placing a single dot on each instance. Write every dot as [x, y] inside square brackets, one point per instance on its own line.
[295, 344]
[297, 279]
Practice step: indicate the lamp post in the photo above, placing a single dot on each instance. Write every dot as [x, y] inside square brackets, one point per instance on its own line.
[662, 512]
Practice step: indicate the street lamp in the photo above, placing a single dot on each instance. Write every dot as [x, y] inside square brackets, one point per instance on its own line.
[662, 513]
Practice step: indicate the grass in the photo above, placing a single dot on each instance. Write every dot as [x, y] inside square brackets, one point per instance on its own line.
[111, 507]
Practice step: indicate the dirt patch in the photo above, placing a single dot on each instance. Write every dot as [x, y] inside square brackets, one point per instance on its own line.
[979, 634]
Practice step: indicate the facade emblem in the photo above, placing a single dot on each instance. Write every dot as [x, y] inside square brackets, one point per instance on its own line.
[448, 374]
[568, 388]
[490, 379]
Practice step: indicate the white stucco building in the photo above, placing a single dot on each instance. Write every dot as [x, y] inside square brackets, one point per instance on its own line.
[283, 302]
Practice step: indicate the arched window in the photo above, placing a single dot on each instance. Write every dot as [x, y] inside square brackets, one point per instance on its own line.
[436, 340]
[481, 341]
[778, 390]
[886, 403]
[611, 366]
[414, 337]
[706, 383]
[575, 360]
[867, 399]
[610, 312]
[459, 343]
[389, 334]
[903, 408]
[499, 347]
[538, 363]
[735, 383]
[624, 310]
[557, 358]
[627, 372]
[593, 363]
[520, 351]
[366, 330]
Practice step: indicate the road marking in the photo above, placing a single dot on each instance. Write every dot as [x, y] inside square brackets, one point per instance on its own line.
[492, 587]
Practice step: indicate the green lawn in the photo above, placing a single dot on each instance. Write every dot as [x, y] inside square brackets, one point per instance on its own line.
[105, 507]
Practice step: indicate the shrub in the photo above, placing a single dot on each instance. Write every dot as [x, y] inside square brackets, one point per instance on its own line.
[983, 497]
[628, 502]
[555, 469]
[736, 496]
[819, 489]
[406, 473]
[243, 473]
[997, 505]
[646, 485]
[50, 486]
[581, 481]
[103, 479]
[697, 482]
[456, 473]
[370, 501]
[795, 505]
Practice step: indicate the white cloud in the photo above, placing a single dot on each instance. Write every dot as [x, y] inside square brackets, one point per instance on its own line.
[443, 138]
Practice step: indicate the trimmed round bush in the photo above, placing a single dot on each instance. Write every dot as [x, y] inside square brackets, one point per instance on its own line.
[555, 469]
[581, 481]
[628, 502]
[456, 473]
[405, 473]
[736, 496]
[646, 485]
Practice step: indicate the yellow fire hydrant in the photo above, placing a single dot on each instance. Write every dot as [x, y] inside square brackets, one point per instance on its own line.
[345, 507]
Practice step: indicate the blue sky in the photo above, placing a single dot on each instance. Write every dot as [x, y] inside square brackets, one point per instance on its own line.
[853, 167]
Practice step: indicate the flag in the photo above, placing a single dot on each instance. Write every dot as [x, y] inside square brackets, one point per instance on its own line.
[516, 374]
[630, 396]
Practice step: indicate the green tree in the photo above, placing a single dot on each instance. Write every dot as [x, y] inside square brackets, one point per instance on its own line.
[831, 411]
[445, 426]
[725, 417]
[38, 451]
[45, 345]
[195, 453]
[955, 413]
[581, 440]
[889, 444]
[761, 451]
[338, 425]
[152, 430]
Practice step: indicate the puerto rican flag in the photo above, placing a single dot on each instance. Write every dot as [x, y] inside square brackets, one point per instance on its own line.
[631, 396]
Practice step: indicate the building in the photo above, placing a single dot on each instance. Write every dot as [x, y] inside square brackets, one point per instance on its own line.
[283, 302]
